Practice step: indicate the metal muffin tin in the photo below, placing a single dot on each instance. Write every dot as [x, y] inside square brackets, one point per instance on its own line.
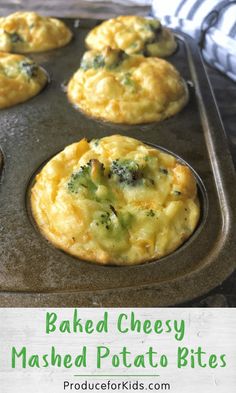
[34, 273]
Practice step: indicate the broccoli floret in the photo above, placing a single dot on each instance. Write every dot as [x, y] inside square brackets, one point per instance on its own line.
[14, 37]
[90, 61]
[109, 58]
[104, 220]
[87, 178]
[30, 69]
[80, 179]
[98, 62]
[111, 228]
[154, 25]
[127, 171]
[114, 220]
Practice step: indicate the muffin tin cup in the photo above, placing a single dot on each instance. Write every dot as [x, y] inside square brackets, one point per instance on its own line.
[34, 273]
[201, 193]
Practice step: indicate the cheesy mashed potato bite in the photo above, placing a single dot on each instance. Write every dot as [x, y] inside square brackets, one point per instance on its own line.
[116, 201]
[133, 34]
[20, 79]
[114, 86]
[24, 32]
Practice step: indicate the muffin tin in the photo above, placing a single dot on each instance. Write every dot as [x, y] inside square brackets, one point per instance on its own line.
[34, 273]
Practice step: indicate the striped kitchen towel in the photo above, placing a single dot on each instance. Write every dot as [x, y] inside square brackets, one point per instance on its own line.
[211, 22]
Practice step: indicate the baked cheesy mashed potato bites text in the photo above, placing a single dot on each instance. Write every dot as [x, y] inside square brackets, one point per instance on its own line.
[24, 32]
[133, 34]
[20, 79]
[114, 86]
[116, 201]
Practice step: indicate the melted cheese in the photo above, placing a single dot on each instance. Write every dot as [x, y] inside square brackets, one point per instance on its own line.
[24, 32]
[20, 79]
[115, 201]
[133, 34]
[127, 89]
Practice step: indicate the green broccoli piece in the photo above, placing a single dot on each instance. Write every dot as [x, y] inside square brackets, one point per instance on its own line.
[95, 62]
[110, 228]
[114, 220]
[127, 171]
[104, 220]
[14, 37]
[30, 69]
[98, 62]
[80, 179]
[109, 58]
[86, 177]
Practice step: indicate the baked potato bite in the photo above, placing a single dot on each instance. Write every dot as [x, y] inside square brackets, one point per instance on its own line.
[24, 32]
[116, 87]
[116, 201]
[20, 79]
[133, 34]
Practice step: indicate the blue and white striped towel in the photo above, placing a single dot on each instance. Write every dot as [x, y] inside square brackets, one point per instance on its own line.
[211, 22]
